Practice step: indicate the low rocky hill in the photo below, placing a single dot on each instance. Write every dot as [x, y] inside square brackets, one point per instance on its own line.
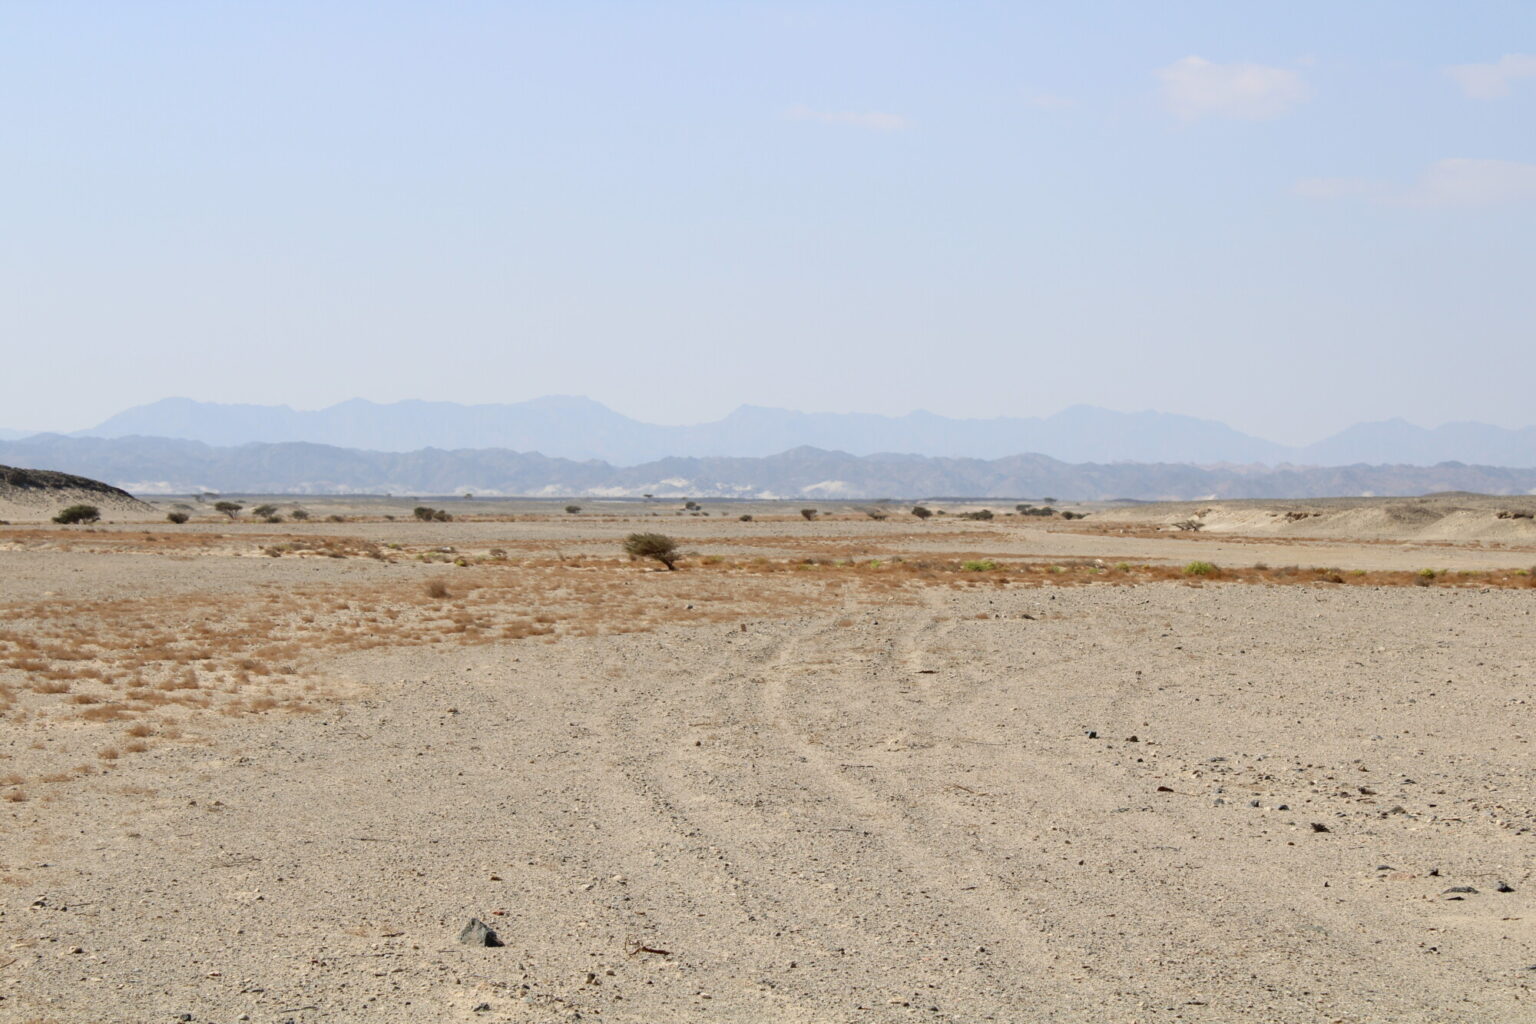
[28, 495]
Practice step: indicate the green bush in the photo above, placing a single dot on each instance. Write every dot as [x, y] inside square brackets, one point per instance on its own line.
[229, 508]
[78, 514]
[1201, 569]
[808, 513]
[920, 512]
[652, 545]
[298, 514]
[267, 512]
[176, 517]
[980, 565]
[573, 509]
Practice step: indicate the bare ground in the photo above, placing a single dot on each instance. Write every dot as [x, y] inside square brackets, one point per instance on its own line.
[783, 783]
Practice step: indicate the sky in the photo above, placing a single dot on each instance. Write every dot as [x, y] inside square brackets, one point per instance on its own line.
[1289, 217]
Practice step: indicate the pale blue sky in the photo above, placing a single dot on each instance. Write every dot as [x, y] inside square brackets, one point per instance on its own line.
[1286, 216]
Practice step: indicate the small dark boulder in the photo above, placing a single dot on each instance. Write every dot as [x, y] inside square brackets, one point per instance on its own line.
[478, 933]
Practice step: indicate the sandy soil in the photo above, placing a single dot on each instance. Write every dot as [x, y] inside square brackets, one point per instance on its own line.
[822, 773]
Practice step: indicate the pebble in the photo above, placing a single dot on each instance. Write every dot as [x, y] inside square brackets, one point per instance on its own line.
[1504, 887]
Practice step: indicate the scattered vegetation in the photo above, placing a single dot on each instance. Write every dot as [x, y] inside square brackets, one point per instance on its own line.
[981, 514]
[176, 517]
[573, 509]
[921, 512]
[431, 515]
[298, 515]
[1201, 569]
[980, 565]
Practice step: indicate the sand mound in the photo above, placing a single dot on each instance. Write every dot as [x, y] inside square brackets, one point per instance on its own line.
[34, 495]
[1439, 517]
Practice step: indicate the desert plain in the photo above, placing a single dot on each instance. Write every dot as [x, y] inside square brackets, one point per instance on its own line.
[1207, 762]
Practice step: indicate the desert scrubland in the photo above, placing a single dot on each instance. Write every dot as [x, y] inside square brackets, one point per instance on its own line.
[1226, 761]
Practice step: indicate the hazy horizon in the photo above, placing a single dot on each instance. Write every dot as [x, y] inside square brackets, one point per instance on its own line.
[1287, 220]
[810, 412]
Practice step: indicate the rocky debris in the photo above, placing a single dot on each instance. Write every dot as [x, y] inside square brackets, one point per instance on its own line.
[478, 933]
[1504, 887]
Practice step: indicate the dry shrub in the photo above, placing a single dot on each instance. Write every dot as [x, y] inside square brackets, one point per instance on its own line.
[16, 796]
[104, 713]
[437, 589]
[135, 747]
[109, 753]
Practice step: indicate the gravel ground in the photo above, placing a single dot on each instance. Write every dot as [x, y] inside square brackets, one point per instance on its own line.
[1162, 802]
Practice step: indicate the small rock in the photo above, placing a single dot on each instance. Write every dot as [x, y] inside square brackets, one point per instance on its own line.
[1385, 867]
[478, 933]
[1283, 807]
[1254, 803]
[1459, 888]
[1092, 735]
[483, 1008]
[1318, 826]
[1164, 789]
[1504, 887]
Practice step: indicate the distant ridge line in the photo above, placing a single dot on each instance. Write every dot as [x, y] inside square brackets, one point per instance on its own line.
[579, 428]
[150, 465]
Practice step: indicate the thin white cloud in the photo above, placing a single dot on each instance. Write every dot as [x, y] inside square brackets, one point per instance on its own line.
[872, 120]
[1445, 183]
[1491, 81]
[1194, 87]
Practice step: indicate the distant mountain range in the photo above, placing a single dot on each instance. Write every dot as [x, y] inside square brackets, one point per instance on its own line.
[579, 428]
[146, 465]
